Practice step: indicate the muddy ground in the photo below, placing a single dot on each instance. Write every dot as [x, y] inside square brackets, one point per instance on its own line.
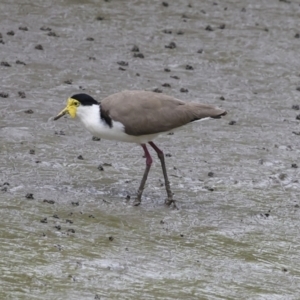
[68, 230]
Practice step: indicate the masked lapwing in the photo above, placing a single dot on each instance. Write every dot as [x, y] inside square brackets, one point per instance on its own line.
[138, 117]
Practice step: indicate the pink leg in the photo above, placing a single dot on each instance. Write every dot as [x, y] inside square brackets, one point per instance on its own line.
[144, 179]
[161, 157]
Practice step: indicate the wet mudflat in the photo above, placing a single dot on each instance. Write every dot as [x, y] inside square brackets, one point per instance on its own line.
[68, 229]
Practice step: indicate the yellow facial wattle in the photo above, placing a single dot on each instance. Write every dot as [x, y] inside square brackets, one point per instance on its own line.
[70, 109]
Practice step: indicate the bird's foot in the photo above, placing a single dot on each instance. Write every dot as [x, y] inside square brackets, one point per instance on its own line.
[170, 201]
[136, 202]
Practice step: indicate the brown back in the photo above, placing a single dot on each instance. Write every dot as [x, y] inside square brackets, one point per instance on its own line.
[144, 112]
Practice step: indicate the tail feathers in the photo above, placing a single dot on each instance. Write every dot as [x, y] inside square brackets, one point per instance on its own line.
[201, 111]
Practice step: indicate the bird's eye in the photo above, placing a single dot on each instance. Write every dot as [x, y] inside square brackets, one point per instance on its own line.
[76, 103]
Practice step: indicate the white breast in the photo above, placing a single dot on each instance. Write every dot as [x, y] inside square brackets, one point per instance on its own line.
[90, 117]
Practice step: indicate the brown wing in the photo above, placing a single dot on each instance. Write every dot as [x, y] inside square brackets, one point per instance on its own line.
[144, 112]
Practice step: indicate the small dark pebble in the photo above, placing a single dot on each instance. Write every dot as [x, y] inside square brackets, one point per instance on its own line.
[91, 216]
[55, 216]
[4, 189]
[122, 63]
[232, 122]
[45, 28]
[29, 196]
[208, 28]
[39, 47]
[294, 166]
[71, 230]
[100, 168]
[137, 74]
[181, 235]
[139, 55]
[1, 41]
[297, 133]
[127, 198]
[284, 269]
[297, 205]
[44, 220]
[166, 85]
[222, 26]
[162, 222]
[99, 18]
[31, 151]
[37, 161]
[267, 215]
[298, 88]
[52, 33]
[298, 117]
[203, 11]
[5, 183]
[209, 188]
[69, 81]
[10, 32]
[171, 45]
[171, 133]
[165, 4]
[80, 157]
[167, 70]
[210, 174]
[296, 107]
[4, 95]
[243, 9]
[297, 35]
[97, 297]
[175, 77]
[135, 49]
[122, 69]
[92, 58]
[22, 94]
[180, 32]
[167, 31]
[75, 203]
[168, 155]
[189, 67]
[266, 29]
[190, 5]
[184, 16]
[69, 221]
[5, 64]
[58, 227]
[49, 201]
[222, 98]
[24, 28]
[29, 111]
[18, 62]
[90, 39]
[61, 132]
[157, 90]
[111, 238]
[282, 176]
[200, 51]
[94, 138]
[184, 90]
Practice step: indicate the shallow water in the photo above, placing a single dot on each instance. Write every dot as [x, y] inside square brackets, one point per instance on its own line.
[235, 235]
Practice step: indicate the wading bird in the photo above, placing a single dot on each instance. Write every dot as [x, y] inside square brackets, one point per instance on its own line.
[138, 117]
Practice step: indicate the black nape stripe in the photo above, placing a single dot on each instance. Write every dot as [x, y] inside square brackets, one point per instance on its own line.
[105, 116]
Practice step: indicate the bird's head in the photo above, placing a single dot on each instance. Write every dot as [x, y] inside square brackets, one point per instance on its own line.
[74, 104]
